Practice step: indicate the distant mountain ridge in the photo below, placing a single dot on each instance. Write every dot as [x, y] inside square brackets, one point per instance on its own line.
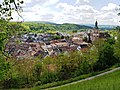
[43, 22]
[103, 27]
[70, 26]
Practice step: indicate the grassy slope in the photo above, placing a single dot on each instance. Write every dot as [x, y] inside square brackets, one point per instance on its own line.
[107, 82]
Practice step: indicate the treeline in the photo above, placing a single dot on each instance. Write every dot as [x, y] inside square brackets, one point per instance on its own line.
[53, 27]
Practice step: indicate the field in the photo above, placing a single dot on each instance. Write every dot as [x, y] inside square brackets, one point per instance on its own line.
[107, 82]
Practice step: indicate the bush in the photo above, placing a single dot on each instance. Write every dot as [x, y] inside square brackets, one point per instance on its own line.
[38, 83]
[48, 77]
[106, 57]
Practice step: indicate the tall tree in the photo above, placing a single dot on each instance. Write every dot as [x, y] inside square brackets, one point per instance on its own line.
[6, 9]
[106, 57]
[117, 47]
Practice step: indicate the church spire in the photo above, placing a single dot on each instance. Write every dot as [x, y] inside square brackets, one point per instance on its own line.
[96, 25]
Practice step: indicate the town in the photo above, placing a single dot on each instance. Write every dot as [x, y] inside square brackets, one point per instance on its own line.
[52, 44]
[59, 45]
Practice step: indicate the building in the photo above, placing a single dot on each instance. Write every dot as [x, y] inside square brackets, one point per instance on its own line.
[96, 33]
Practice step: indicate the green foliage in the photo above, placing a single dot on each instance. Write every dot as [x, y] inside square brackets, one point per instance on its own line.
[37, 70]
[106, 57]
[74, 31]
[9, 29]
[48, 77]
[57, 37]
[38, 83]
[59, 83]
[117, 29]
[111, 41]
[46, 27]
[117, 47]
[4, 68]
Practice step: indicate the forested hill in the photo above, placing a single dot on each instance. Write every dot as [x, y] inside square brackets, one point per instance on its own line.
[42, 26]
[54, 26]
[68, 26]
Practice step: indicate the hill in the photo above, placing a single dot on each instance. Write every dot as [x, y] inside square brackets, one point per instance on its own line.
[44, 25]
[53, 26]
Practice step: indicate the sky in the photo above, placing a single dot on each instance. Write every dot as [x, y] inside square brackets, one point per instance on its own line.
[71, 11]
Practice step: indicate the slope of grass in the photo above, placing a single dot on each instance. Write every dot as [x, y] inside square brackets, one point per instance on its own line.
[107, 82]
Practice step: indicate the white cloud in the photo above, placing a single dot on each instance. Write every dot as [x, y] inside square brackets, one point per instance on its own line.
[82, 2]
[110, 7]
[51, 2]
[108, 18]
[27, 1]
[31, 3]
[80, 12]
[77, 14]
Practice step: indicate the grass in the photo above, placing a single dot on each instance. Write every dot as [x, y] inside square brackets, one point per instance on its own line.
[107, 82]
[59, 83]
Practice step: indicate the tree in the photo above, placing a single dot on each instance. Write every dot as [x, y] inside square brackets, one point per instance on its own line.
[6, 9]
[117, 47]
[38, 70]
[106, 57]
[4, 67]
[111, 41]
[8, 6]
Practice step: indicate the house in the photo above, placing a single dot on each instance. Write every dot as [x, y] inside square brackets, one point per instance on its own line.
[61, 44]
[42, 53]
[54, 41]
[77, 39]
[70, 48]
[81, 44]
[23, 50]
[104, 35]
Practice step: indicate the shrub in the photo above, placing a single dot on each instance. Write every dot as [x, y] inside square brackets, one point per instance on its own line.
[38, 83]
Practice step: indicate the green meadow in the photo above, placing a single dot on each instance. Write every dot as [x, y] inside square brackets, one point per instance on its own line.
[107, 82]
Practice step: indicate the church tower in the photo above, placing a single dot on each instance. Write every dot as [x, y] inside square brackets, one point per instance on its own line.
[96, 25]
[94, 33]
[96, 29]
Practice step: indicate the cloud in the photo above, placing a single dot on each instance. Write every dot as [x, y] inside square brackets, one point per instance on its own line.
[47, 17]
[108, 18]
[87, 14]
[79, 12]
[82, 2]
[51, 2]
[76, 9]
[31, 3]
[110, 7]
[108, 14]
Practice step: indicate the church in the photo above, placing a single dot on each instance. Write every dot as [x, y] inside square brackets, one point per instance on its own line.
[96, 33]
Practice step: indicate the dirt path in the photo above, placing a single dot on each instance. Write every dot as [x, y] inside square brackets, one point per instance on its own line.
[90, 78]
